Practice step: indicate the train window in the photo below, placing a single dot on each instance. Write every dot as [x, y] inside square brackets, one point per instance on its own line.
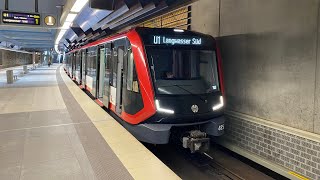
[184, 71]
[94, 62]
[109, 63]
[132, 98]
[132, 78]
[78, 61]
[91, 61]
[108, 70]
[88, 63]
[73, 63]
[130, 70]
[114, 67]
[84, 62]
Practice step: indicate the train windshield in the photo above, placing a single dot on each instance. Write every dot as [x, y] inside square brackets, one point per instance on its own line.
[179, 71]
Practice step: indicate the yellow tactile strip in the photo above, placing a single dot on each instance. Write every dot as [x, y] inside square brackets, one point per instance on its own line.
[138, 160]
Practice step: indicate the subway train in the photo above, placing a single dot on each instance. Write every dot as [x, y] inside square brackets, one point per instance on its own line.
[159, 83]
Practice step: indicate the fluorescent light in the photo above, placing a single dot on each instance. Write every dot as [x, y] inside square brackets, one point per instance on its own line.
[70, 17]
[66, 25]
[60, 35]
[160, 109]
[62, 31]
[56, 48]
[78, 5]
[218, 106]
[178, 30]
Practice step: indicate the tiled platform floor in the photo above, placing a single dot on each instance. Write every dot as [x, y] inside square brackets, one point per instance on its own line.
[49, 129]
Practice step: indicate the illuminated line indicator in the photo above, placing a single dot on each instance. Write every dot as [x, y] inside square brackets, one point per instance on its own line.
[10, 17]
[176, 40]
[298, 175]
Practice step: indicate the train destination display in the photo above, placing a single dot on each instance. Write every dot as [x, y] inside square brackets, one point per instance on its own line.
[176, 40]
[10, 17]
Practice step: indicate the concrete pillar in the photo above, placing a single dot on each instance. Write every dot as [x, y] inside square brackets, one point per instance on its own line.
[9, 76]
[34, 60]
[25, 69]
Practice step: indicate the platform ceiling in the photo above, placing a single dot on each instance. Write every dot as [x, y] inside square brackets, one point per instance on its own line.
[30, 37]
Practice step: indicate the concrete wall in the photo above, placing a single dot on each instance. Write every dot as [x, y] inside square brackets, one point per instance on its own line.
[269, 50]
[11, 58]
[271, 70]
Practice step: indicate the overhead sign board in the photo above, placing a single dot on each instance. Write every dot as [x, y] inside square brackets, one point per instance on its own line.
[10, 17]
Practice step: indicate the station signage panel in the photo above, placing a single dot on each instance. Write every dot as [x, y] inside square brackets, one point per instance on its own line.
[10, 17]
[173, 40]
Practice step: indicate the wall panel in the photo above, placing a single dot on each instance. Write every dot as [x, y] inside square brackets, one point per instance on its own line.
[11, 58]
[272, 64]
[179, 18]
[270, 52]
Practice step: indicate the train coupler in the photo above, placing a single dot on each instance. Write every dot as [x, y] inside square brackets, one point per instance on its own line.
[196, 141]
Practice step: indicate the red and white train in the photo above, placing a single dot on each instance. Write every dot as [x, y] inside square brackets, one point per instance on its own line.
[160, 83]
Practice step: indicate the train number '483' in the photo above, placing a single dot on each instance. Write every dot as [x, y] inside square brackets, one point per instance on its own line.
[221, 127]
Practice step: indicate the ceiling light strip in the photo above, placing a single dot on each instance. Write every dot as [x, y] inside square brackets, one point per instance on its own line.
[76, 8]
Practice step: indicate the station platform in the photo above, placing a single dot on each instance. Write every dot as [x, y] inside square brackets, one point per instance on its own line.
[50, 129]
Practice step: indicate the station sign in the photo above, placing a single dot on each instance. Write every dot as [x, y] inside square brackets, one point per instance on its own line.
[10, 17]
[169, 40]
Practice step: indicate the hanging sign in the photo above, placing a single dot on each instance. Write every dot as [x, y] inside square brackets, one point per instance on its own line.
[10, 17]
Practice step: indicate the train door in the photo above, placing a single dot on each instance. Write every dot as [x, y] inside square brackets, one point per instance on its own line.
[94, 65]
[102, 67]
[83, 67]
[132, 99]
[73, 65]
[119, 70]
[69, 65]
[107, 74]
[78, 67]
[81, 63]
[91, 70]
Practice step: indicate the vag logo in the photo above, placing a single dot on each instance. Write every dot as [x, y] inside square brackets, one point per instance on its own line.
[194, 108]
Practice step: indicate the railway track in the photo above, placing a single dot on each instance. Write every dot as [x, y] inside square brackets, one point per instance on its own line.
[192, 165]
[222, 171]
[211, 167]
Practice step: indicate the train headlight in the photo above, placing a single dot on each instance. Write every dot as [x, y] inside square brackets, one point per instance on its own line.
[160, 109]
[218, 106]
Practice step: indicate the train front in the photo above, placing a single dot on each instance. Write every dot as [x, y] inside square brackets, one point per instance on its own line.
[186, 75]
